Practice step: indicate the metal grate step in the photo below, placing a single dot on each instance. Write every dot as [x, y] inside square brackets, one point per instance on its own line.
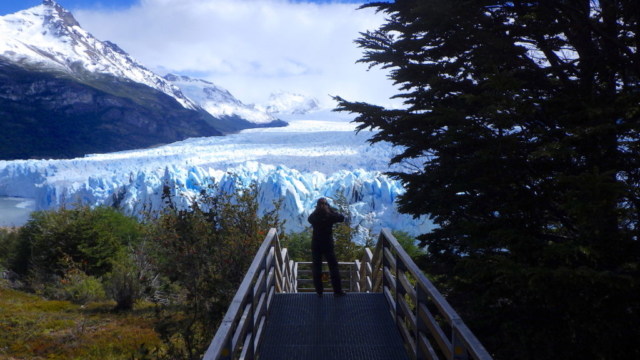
[355, 326]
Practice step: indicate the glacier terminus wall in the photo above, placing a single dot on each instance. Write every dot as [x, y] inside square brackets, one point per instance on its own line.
[296, 164]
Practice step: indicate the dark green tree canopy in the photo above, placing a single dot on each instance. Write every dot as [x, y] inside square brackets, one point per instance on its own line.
[521, 139]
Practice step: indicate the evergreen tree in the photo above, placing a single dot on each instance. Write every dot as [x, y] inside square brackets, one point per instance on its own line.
[522, 129]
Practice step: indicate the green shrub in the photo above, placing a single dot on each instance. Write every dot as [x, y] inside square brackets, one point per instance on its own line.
[80, 288]
[298, 245]
[53, 241]
[8, 246]
[408, 243]
[206, 251]
[133, 278]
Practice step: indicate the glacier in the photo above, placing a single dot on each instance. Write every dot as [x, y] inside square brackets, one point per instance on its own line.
[296, 164]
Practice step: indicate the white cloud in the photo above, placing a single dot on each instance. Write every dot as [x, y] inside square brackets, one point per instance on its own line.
[251, 47]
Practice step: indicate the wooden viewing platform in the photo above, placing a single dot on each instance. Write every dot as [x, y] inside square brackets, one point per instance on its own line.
[389, 313]
[356, 326]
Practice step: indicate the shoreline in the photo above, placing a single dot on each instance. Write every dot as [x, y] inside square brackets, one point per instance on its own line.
[15, 211]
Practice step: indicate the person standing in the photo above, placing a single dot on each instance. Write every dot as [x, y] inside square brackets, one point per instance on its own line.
[322, 220]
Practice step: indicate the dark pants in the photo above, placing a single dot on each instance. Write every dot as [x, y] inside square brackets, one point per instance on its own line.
[320, 248]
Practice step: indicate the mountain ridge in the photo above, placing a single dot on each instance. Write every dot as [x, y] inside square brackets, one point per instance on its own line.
[219, 102]
[138, 108]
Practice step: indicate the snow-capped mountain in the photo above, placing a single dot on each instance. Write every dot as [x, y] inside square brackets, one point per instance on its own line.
[286, 103]
[219, 102]
[48, 36]
[297, 164]
[64, 93]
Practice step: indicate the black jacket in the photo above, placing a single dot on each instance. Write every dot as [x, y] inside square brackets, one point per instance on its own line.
[323, 225]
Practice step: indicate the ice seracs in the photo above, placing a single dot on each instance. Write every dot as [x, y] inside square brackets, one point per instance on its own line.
[296, 164]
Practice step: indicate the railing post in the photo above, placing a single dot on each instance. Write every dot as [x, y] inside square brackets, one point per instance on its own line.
[385, 261]
[265, 286]
[459, 350]
[250, 327]
[421, 326]
[400, 292]
[351, 277]
[226, 351]
[295, 276]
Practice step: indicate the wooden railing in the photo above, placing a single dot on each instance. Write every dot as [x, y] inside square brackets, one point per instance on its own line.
[413, 300]
[241, 329]
[304, 276]
[421, 313]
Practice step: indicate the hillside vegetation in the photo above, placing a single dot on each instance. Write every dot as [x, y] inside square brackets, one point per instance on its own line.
[92, 283]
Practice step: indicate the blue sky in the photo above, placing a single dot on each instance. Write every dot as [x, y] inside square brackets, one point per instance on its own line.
[11, 6]
[250, 47]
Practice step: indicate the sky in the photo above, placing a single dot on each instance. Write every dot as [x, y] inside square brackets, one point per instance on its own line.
[250, 47]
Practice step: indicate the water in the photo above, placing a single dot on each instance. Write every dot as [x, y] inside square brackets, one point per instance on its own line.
[15, 211]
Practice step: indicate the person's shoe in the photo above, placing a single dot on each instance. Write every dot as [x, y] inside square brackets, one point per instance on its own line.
[339, 293]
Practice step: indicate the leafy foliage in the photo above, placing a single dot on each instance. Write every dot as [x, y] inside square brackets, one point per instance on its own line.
[520, 137]
[188, 262]
[345, 247]
[206, 252]
[8, 246]
[133, 278]
[298, 245]
[88, 239]
[80, 288]
[408, 243]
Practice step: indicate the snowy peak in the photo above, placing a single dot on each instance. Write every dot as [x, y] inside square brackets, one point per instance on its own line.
[202, 91]
[48, 37]
[64, 15]
[282, 102]
[218, 101]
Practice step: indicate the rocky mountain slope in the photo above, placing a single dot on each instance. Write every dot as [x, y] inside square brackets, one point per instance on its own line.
[64, 93]
[219, 102]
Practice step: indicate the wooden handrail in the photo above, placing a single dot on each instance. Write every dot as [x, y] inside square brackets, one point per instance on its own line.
[409, 304]
[304, 277]
[388, 270]
[242, 327]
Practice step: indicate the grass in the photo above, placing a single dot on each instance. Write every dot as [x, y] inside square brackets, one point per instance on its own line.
[33, 328]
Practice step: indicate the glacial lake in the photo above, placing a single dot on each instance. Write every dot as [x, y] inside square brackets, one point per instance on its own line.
[15, 211]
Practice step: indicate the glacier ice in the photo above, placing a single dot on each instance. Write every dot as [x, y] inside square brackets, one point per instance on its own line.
[297, 164]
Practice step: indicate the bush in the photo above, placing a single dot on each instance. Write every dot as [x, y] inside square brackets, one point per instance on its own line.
[91, 239]
[206, 251]
[80, 288]
[132, 279]
[298, 245]
[8, 246]
[409, 244]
